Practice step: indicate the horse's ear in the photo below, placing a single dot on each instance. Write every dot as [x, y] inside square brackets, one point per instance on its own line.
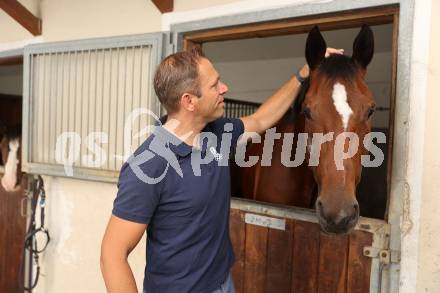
[315, 48]
[363, 47]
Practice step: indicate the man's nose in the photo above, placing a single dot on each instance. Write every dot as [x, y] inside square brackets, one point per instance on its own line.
[223, 88]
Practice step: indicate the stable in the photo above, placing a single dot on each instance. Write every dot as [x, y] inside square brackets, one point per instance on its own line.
[82, 82]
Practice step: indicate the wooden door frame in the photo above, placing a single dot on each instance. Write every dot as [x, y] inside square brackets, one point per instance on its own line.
[303, 24]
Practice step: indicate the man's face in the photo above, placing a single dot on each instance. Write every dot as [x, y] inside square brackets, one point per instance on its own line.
[210, 105]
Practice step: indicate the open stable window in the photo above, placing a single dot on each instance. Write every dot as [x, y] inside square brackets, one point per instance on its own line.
[255, 68]
[255, 59]
[281, 246]
[77, 98]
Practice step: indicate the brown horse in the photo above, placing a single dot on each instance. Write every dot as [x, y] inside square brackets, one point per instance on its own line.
[334, 100]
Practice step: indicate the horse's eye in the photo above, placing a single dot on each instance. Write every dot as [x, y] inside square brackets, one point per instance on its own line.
[371, 111]
[306, 111]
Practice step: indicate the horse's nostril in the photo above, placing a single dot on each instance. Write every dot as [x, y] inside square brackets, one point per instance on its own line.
[320, 207]
[356, 208]
[356, 212]
[319, 203]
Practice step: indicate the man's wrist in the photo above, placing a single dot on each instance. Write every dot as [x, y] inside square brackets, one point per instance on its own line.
[299, 77]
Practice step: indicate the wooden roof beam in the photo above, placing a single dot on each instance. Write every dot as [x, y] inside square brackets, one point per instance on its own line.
[164, 5]
[22, 15]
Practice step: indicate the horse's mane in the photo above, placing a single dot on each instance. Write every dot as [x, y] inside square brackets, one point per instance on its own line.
[297, 105]
[296, 108]
[338, 66]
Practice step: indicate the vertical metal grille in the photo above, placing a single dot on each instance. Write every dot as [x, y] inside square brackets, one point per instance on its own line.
[237, 109]
[85, 90]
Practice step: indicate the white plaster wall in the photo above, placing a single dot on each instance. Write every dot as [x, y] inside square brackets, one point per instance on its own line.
[80, 19]
[413, 196]
[14, 31]
[76, 215]
[186, 5]
[428, 277]
[69, 20]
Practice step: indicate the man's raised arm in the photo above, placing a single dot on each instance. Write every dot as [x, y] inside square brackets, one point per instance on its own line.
[273, 109]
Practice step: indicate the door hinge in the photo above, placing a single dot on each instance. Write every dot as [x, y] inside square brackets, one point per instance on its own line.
[386, 256]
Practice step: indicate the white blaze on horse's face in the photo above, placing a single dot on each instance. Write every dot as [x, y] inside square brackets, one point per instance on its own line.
[341, 104]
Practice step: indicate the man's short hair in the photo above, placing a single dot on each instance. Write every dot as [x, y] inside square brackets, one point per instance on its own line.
[177, 74]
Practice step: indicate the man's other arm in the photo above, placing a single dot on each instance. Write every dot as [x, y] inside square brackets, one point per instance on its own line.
[120, 238]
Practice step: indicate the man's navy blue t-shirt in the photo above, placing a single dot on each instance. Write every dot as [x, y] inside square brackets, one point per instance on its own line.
[187, 211]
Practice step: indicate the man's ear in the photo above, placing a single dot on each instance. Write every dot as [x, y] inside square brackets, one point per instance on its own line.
[188, 101]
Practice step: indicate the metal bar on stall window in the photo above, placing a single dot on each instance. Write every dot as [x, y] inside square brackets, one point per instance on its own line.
[116, 103]
[81, 128]
[140, 92]
[95, 98]
[102, 98]
[90, 97]
[132, 95]
[125, 101]
[109, 106]
[75, 99]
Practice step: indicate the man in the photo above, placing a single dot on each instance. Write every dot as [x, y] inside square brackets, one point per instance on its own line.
[186, 213]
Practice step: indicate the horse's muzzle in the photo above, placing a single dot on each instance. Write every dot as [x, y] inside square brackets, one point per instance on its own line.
[337, 223]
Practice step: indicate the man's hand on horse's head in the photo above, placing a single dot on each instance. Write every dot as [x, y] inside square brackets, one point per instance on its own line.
[305, 71]
[330, 51]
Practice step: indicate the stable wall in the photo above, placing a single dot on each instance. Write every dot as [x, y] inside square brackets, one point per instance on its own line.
[79, 210]
[428, 277]
[70, 20]
[77, 213]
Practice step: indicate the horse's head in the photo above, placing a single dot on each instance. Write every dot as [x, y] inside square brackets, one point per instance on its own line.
[338, 101]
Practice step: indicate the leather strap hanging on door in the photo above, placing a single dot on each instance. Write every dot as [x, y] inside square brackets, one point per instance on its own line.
[30, 243]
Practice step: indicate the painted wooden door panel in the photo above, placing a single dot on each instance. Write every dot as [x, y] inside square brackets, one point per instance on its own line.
[299, 258]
